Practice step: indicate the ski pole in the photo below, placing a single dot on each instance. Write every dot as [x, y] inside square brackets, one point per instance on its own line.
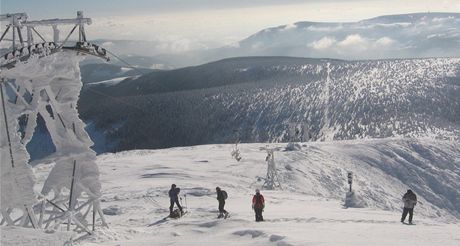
[186, 206]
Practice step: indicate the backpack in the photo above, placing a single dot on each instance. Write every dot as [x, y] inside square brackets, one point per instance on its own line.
[224, 194]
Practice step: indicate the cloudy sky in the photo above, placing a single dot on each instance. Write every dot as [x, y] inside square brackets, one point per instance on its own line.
[191, 24]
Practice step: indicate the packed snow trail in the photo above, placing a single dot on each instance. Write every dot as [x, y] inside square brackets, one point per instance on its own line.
[308, 211]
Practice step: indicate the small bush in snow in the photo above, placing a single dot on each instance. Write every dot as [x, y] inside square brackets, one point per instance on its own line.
[352, 200]
[293, 147]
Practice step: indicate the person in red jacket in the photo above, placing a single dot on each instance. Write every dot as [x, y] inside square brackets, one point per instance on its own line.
[258, 204]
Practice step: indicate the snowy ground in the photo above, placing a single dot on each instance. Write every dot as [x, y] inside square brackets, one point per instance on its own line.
[308, 211]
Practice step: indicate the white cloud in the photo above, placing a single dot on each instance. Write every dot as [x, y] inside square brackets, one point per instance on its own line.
[354, 40]
[290, 26]
[323, 43]
[257, 45]
[352, 43]
[233, 44]
[324, 28]
[178, 44]
[396, 24]
[158, 66]
[440, 20]
[384, 41]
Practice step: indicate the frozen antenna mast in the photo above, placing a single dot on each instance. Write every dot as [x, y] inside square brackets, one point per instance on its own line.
[272, 180]
[236, 152]
[40, 82]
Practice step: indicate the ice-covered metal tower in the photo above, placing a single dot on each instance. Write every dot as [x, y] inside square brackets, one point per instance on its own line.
[271, 180]
[41, 80]
[236, 154]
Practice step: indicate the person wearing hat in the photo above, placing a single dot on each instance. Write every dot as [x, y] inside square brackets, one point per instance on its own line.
[174, 198]
[221, 196]
[258, 204]
[410, 200]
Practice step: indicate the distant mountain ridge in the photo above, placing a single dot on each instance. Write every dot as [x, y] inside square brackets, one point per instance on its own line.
[416, 35]
[270, 99]
[394, 36]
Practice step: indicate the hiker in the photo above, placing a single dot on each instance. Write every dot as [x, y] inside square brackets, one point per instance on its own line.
[258, 204]
[409, 199]
[221, 196]
[173, 198]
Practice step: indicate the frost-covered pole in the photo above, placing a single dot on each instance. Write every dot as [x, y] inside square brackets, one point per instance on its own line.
[30, 36]
[14, 37]
[5, 117]
[81, 30]
[350, 178]
[236, 152]
[55, 34]
[271, 181]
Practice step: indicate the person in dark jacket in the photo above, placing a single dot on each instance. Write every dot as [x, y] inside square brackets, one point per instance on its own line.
[258, 204]
[410, 200]
[174, 198]
[221, 198]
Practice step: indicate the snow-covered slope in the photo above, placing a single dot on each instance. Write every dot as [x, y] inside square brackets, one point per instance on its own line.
[267, 99]
[307, 211]
[97, 72]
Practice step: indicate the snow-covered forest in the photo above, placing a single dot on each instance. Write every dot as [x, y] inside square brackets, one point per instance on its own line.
[276, 99]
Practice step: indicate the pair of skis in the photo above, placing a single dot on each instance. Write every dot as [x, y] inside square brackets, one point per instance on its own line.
[168, 218]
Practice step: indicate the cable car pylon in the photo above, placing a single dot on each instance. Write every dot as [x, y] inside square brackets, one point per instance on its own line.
[40, 80]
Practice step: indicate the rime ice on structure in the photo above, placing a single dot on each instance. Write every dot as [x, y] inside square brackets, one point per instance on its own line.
[271, 180]
[17, 178]
[55, 84]
[47, 84]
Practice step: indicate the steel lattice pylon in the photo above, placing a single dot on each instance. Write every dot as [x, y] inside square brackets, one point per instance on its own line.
[42, 80]
[271, 180]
